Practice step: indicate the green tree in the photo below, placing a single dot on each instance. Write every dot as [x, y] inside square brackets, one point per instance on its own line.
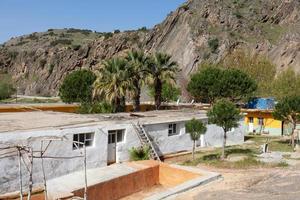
[6, 86]
[287, 83]
[137, 63]
[211, 83]
[169, 92]
[113, 82]
[205, 85]
[195, 128]
[224, 114]
[161, 69]
[288, 110]
[256, 66]
[77, 86]
[236, 85]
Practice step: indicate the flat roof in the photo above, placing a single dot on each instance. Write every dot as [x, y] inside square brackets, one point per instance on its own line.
[45, 120]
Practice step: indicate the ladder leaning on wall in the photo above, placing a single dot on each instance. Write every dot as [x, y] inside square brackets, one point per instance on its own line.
[145, 140]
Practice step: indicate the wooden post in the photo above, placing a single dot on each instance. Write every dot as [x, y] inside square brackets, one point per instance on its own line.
[43, 169]
[85, 174]
[30, 173]
[20, 174]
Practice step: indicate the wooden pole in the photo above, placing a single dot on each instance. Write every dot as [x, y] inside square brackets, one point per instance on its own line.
[30, 173]
[85, 174]
[43, 169]
[20, 174]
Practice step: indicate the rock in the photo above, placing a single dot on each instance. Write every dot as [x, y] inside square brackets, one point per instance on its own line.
[257, 26]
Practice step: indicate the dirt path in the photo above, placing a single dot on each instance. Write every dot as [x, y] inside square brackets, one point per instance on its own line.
[265, 184]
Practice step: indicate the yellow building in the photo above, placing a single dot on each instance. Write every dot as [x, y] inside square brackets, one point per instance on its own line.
[262, 121]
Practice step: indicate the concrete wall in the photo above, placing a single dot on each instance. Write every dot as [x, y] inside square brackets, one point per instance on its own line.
[97, 154]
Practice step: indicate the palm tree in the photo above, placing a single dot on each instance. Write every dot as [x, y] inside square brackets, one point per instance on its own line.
[161, 69]
[113, 82]
[137, 62]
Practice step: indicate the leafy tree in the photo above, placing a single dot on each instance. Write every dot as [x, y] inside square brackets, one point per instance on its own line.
[236, 85]
[287, 83]
[169, 92]
[256, 66]
[205, 84]
[77, 86]
[195, 128]
[161, 69]
[212, 83]
[288, 110]
[113, 82]
[139, 153]
[137, 62]
[224, 114]
[6, 86]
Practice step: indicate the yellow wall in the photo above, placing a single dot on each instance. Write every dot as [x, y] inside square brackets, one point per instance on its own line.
[269, 121]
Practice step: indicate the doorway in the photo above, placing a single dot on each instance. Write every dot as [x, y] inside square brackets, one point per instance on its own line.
[114, 137]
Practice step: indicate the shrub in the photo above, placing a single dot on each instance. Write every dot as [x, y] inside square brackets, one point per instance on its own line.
[50, 68]
[77, 86]
[6, 86]
[143, 29]
[107, 35]
[213, 44]
[61, 41]
[43, 63]
[139, 153]
[76, 47]
[169, 92]
[95, 107]
[117, 31]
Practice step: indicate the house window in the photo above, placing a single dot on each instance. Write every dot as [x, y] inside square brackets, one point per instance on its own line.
[250, 119]
[115, 136]
[172, 130]
[261, 121]
[83, 138]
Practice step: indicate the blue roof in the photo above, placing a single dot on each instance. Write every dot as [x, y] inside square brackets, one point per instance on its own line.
[261, 103]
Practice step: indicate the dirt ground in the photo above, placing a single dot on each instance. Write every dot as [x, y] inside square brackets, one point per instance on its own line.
[254, 184]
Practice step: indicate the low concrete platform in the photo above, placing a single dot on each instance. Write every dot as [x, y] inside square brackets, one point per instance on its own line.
[124, 180]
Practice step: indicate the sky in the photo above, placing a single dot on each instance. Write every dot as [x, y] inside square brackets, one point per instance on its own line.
[19, 17]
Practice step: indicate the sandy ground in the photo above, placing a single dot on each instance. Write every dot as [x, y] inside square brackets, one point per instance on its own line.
[254, 184]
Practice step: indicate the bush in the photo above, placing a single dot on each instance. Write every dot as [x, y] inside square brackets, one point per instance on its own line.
[77, 86]
[213, 44]
[139, 153]
[76, 47]
[95, 107]
[169, 92]
[6, 86]
[117, 31]
[61, 41]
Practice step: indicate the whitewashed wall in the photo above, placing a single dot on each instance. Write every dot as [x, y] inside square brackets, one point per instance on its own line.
[96, 156]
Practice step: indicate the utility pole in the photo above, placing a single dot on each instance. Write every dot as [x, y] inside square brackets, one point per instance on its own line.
[20, 174]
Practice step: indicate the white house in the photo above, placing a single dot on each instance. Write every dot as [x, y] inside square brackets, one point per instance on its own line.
[107, 137]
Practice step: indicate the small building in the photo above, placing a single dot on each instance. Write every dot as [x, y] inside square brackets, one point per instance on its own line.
[259, 118]
[107, 137]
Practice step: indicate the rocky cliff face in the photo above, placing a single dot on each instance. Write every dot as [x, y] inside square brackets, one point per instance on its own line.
[197, 31]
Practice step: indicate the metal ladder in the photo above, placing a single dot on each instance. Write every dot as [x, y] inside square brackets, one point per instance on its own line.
[145, 140]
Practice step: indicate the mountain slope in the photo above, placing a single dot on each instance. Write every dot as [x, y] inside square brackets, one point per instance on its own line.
[199, 30]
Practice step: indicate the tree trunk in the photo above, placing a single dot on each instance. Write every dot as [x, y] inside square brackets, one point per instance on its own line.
[136, 98]
[158, 89]
[193, 152]
[293, 136]
[224, 145]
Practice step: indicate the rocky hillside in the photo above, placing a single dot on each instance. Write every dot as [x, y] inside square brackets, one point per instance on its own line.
[197, 31]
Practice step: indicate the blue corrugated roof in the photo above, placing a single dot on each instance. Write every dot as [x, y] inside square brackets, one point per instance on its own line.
[261, 103]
